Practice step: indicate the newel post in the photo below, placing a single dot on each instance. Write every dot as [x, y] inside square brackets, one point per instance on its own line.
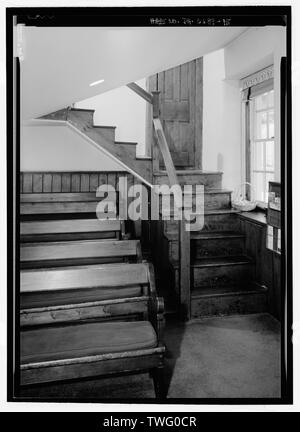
[184, 270]
[155, 114]
[156, 104]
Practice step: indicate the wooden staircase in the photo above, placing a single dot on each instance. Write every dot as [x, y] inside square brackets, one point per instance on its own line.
[204, 268]
[221, 274]
[104, 136]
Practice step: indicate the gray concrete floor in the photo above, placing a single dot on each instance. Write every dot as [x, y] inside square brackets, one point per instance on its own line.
[218, 357]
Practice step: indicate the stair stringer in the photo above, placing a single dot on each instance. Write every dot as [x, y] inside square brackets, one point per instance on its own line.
[81, 121]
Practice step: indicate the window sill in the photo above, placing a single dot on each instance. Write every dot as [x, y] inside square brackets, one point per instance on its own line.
[258, 216]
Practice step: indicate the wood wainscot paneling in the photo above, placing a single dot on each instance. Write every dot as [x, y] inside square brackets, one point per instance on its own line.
[56, 182]
[267, 262]
[82, 182]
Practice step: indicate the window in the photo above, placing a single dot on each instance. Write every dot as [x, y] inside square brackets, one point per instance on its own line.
[258, 95]
[262, 151]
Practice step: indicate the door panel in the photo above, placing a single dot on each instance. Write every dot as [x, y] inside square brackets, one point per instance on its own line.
[181, 111]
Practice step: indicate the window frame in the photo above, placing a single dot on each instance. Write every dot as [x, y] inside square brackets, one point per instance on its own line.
[253, 139]
[248, 94]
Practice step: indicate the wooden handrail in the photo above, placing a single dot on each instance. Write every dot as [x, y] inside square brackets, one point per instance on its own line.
[141, 92]
[184, 234]
[165, 151]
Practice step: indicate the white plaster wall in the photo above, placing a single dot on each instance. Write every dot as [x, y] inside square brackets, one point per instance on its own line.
[221, 121]
[213, 74]
[124, 109]
[253, 50]
[58, 148]
[223, 143]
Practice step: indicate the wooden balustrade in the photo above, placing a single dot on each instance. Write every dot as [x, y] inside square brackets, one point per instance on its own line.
[184, 234]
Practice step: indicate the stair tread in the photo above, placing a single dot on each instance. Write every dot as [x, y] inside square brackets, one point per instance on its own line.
[217, 234]
[217, 191]
[242, 288]
[221, 211]
[126, 142]
[183, 172]
[104, 127]
[147, 158]
[218, 261]
[207, 235]
[213, 212]
[83, 109]
[206, 191]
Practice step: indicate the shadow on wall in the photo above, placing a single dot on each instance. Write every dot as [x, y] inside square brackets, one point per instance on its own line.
[221, 121]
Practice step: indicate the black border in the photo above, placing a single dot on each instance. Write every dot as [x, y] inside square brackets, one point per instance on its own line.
[140, 16]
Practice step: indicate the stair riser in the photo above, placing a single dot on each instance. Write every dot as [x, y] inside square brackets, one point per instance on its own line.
[57, 115]
[229, 275]
[221, 275]
[129, 148]
[75, 117]
[107, 134]
[228, 305]
[216, 201]
[81, 117]
[222, 222]
[217, 247]
[212, 181]
[209, 248]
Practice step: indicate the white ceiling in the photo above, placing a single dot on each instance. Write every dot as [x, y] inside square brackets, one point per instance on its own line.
[60, 63]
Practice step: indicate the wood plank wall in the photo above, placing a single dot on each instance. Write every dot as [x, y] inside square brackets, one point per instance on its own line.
[267, 263]
[47, 182]
[181, 102]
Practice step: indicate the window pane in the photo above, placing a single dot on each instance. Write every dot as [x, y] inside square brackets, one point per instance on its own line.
[258, 186]
[258, 155]
[270, 155]
[261, 125]
[271, 124]
[271, 98]
[262, 101]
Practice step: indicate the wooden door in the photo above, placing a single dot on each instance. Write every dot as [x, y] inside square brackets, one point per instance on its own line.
[181, 98]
